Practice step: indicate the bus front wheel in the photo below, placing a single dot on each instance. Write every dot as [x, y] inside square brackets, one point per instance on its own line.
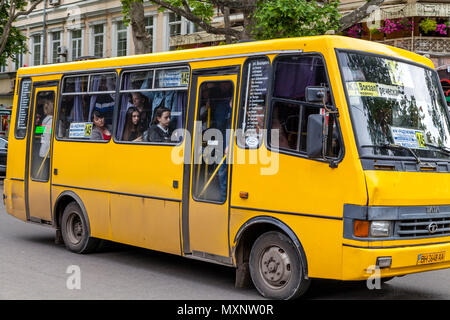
[74, 229]
[276, 267]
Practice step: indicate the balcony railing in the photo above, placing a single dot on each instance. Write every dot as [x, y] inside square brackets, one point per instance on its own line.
[431, 45]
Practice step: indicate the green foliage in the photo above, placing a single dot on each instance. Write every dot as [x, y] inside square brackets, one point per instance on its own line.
[200, 8]
[294, 18]
[428, 25]
[16, 43]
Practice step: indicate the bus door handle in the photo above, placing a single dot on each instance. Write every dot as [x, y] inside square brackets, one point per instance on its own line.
[55, 171]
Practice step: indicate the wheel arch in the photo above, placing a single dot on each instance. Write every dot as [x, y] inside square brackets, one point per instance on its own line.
[247, 235]
[61, 203]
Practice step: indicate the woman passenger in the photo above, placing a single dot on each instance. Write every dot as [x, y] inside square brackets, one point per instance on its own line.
[132, 131]
[99, 130]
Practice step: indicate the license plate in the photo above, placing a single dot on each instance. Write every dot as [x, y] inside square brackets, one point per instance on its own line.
[427, 258]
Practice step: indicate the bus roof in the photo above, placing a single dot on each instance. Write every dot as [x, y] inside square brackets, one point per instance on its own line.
[228, 51]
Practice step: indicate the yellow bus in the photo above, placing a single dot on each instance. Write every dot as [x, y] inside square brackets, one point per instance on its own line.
[289, 160]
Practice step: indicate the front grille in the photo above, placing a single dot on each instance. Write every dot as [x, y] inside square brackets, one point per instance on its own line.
[422, 227]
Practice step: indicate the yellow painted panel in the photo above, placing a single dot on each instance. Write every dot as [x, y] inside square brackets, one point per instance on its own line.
[147, 223]
[299, 185]
[208, 228]
[15, 198]
[143, 170]
[386, 188]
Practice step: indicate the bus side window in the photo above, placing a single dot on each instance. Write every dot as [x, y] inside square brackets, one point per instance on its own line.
[83, 97]
[23, 108]
[290, 110]
[252, 112]
[144, 94]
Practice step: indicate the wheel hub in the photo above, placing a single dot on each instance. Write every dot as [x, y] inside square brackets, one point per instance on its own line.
[275, 267]
[74, 228]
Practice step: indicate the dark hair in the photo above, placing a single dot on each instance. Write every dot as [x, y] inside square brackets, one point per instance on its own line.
[130, 112]
[129, 126]
[158, 114]
[98, 114]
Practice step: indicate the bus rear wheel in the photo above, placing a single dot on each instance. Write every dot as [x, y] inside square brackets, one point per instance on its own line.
[276, 267]
[74, 229]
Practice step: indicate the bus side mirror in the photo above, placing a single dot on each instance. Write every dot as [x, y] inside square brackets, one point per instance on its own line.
[315, 94]
[314, 136]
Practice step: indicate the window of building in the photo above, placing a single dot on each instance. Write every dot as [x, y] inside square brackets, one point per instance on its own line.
[18, 63]
[77, 44]
[87, 107]
[149, 27]
[178, 25]
[55, 43]
[290, 110]
[98, 43]
[153, 105]
[36, 53]
[174, 24]
[122, 39]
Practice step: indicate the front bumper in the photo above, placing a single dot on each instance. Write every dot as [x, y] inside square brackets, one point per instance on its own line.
[359, 263]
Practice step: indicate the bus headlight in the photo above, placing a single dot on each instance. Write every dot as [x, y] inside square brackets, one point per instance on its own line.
[380, 228]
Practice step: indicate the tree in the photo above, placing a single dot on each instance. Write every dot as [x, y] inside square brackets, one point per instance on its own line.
[134, 14]
[294, 18]
[12, 42]
[262, 19]
[201, 13]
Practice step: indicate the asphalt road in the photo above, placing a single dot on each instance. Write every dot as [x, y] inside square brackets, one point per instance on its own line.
[33, 267]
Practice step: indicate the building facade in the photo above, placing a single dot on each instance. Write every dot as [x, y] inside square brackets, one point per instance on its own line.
[66, 30]
[421, 26]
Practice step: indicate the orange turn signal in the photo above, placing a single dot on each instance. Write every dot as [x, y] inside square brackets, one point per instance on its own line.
[361, 228]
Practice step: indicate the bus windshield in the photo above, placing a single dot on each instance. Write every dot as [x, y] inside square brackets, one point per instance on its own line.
[397, 108]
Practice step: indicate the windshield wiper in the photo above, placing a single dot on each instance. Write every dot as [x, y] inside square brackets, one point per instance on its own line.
[393, 146]
[439, 148]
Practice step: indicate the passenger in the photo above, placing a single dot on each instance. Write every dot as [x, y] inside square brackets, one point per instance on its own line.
[99, 130]
[44, 150]
[159, 130]
[47, 124]
[140, 102]
[132, 131]
[281, 127]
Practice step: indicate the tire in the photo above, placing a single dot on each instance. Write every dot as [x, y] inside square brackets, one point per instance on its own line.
[276, 267]
[75, 230]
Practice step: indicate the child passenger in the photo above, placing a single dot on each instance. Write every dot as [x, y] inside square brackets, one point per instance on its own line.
[159, 130]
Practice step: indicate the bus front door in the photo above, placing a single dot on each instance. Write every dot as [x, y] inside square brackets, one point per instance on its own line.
[38, 175]
[207, 215]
